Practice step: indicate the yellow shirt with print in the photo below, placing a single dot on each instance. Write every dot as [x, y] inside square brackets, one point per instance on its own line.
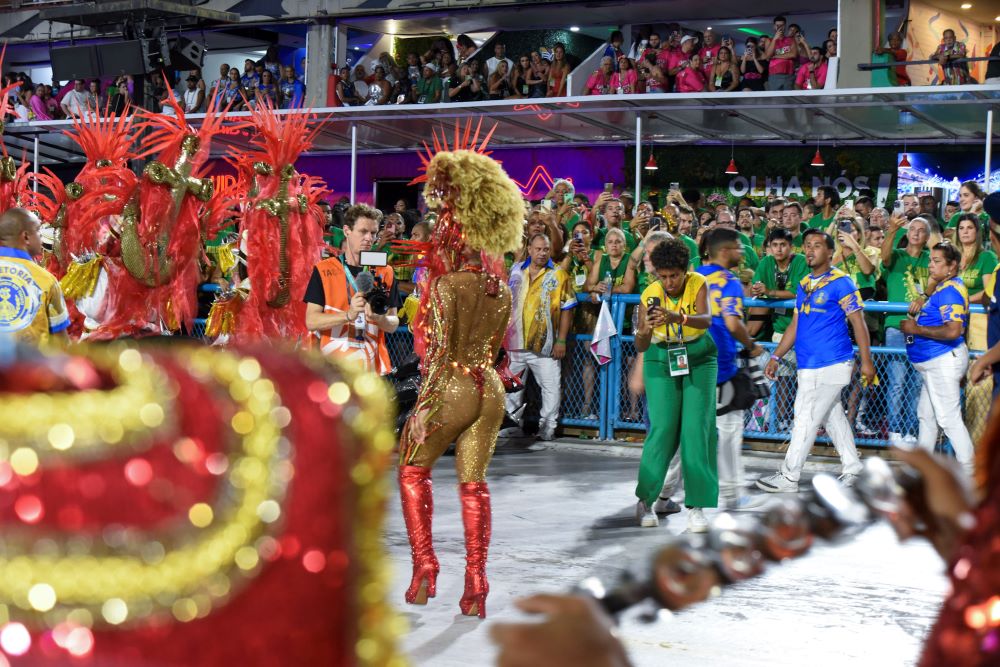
[32, 307]
[540, 325]
[687, 303]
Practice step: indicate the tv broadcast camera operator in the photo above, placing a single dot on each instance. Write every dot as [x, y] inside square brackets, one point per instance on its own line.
[352, 301]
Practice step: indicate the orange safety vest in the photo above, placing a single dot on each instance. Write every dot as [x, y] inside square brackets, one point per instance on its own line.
[371, 350]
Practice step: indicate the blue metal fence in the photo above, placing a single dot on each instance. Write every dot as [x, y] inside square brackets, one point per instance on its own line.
[598, 397]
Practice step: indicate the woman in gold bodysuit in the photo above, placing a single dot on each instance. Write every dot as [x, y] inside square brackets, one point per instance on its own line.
[464, 313]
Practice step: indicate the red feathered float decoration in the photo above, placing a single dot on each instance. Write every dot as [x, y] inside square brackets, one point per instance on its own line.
[281, 224]
[88, 211]
[160, 227]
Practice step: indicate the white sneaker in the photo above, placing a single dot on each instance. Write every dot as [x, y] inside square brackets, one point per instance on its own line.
[666, 506]
[646, 516]
[511, 432]
[848, 479]
[777, 483]
[697, 523]
[744, 503]
[546, 434]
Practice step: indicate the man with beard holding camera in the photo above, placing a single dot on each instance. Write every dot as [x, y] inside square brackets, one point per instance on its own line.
[351, 306]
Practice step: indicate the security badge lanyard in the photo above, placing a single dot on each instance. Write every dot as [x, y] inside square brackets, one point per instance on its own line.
[677, 355]
[360, 323]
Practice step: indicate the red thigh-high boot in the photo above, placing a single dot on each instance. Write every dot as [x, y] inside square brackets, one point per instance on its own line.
[415, 492]
[476, 517]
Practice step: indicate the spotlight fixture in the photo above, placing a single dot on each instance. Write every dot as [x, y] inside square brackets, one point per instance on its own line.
[574, 28]
[966, 5]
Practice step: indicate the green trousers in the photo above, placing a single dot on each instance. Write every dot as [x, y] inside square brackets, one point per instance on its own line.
[681, 413]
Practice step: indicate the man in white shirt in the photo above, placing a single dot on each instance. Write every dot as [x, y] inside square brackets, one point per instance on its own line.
[194, 99]
[499, 53]
[74, 103]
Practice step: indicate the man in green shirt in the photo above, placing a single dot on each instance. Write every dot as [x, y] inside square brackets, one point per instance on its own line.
[791, 220]
[428, 89]
[614, 216]
[906, 273]
[777, 277]
[685, 227]
[827, 202]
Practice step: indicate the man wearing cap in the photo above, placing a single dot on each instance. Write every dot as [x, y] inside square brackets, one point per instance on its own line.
[428, 90]
[194, 99]
[991, 359]
[679, 59]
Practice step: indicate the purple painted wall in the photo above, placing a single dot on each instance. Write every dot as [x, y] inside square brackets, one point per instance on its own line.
[532, 169]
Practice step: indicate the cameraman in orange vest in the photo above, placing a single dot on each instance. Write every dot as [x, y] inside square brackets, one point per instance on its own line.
[350, 306]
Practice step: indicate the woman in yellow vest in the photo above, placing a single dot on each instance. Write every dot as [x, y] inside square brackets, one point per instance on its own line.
[679, 369]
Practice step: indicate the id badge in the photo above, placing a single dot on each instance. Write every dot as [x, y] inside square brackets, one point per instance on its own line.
[580, 279]
[718, 81]
[677, 361]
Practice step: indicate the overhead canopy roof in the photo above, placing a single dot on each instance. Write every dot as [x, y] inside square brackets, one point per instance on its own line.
[884, 116]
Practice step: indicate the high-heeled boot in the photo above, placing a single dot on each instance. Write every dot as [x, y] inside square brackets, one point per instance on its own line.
[416, 494]
[477, 519]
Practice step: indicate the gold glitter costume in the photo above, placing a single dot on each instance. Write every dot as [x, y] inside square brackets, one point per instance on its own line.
[464, 310]
[462, 391]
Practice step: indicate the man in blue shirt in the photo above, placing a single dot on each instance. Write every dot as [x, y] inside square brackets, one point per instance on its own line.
[250, 80]
[827, 299]
[725, 298]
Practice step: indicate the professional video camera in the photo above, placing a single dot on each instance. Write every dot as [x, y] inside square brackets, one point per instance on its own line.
[371, 286]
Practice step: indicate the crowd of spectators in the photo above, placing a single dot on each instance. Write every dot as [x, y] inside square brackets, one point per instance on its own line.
[265, 78]
[684, 60]
[601, 248]
[689, 61]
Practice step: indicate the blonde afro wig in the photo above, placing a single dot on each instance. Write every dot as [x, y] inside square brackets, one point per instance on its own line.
[482, 197]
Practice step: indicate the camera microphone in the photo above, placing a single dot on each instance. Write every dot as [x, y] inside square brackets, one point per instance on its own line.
[365, 281]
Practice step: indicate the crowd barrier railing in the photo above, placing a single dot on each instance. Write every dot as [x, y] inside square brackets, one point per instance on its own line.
[597, 396]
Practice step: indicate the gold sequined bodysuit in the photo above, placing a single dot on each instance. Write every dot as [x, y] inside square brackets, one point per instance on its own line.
[464, 396]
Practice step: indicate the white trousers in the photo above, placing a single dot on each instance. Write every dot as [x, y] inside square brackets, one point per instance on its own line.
[732, 475]
[547, 374]
[940, 403]
[817, 404]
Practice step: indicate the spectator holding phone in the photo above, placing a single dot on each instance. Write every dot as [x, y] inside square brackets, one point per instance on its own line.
[680, 58]
[782, 55]
[691, 79]
[679, 371]
[709, 51]
[753, 68]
